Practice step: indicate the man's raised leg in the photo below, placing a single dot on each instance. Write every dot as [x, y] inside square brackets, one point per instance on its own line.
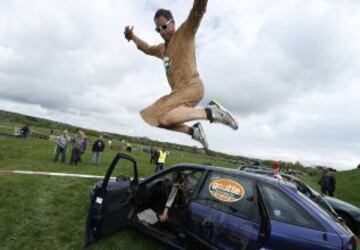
[214, 112]
[218, 114]
[196, 132]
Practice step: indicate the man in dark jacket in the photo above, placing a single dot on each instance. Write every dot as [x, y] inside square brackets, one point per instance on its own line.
[97, 148]
[25, 131]
[332, 184]
[327, 183]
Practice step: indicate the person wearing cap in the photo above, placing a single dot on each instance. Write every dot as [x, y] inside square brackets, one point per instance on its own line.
[61, 147]
[177, 52]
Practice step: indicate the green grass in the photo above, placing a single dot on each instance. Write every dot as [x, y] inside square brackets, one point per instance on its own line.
[49, 213]
[42, 212]
[347, 185]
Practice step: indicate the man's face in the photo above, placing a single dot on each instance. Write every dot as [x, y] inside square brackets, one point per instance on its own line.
[166, 27]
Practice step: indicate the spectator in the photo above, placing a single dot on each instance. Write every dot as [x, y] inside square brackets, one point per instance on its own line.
[327, 183]
[358, 167]
[79, 146]
[61, 147]
[153, 155]
[332, 185]
[25, 131]
[276, 167]
[161, 160]
[97, 148]
[128, 147]
[84, 145]
[109, 142]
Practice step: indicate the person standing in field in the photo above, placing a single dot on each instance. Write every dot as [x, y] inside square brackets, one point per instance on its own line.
[327, 183]
[332, 185]
[178, 55]
[160, 162]
[61, 147]
[109, 143]
[97, 148]
[79, 147]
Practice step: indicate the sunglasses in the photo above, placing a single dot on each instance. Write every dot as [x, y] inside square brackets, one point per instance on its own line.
[163, 27]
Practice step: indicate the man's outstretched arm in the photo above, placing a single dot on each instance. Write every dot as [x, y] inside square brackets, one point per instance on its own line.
[142, 45]
[196, 13]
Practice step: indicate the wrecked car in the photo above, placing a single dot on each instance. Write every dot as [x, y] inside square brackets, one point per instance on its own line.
[214, 208]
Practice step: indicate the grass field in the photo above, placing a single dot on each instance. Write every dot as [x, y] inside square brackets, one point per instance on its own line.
[347, 185]
[42, 212]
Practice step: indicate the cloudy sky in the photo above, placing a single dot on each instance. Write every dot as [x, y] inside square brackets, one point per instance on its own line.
[288, 70]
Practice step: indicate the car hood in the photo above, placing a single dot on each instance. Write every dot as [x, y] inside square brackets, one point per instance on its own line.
[342, 205]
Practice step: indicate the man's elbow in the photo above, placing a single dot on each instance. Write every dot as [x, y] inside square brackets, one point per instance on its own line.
[143, 49]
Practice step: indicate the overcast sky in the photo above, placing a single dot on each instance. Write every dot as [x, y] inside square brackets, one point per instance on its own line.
[288, 70]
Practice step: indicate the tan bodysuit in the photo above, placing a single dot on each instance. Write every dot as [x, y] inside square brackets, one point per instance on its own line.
[180, 66]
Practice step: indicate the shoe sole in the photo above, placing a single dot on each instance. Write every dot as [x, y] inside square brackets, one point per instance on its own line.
[218, 105]
[202, 132]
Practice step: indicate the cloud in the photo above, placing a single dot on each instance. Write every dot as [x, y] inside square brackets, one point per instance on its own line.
[289, 71]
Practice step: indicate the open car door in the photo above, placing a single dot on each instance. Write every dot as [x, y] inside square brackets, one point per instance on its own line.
[111, 207]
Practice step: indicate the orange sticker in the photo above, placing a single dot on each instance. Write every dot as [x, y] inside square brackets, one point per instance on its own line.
[226, 190]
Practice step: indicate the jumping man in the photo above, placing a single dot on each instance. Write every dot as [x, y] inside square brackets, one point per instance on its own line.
[178, 54]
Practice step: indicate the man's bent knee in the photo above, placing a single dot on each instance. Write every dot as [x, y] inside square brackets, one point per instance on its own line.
[165, 122]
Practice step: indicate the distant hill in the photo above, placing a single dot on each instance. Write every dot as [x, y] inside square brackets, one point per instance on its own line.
[7, 117]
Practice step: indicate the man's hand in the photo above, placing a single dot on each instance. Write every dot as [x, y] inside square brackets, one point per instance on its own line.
[164, 217]
[129, 34]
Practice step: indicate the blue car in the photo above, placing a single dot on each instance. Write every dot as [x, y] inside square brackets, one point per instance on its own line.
[336, 207]
[214, 208]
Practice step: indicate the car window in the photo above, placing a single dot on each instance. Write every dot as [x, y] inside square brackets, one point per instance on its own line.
[161, 186]
[284, 209]
[232, 194]
[319, 202]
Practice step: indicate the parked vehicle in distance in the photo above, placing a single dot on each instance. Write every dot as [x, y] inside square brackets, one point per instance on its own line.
[348, 212]
[215, 208]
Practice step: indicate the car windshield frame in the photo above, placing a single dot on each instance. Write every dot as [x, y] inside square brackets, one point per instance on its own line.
[326, 207]
[328, 213]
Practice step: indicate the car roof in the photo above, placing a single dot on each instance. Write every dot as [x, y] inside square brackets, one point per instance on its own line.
[236, 172]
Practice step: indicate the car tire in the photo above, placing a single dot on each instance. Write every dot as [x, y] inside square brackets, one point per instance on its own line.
[348, 221]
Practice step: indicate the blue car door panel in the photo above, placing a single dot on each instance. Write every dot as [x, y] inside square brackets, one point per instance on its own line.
[292, 227]
[225, 213]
